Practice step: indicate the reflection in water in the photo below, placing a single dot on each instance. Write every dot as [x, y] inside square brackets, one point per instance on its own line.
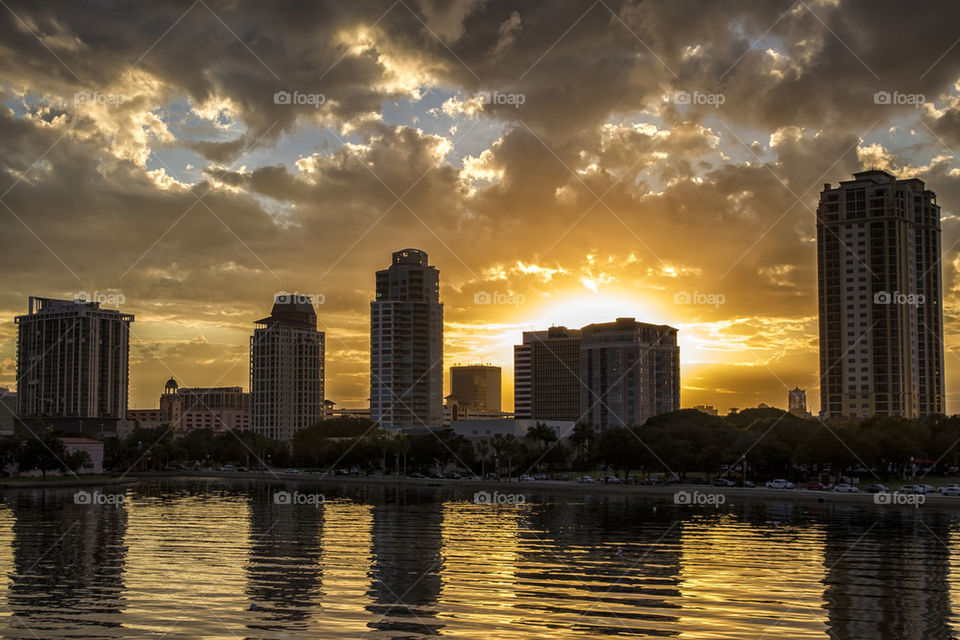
[887, 573]
[284, 559]
[68, 565]
[406, 542]
[185, 559]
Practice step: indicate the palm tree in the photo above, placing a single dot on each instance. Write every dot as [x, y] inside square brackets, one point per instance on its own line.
[582, 437]
[482, 447]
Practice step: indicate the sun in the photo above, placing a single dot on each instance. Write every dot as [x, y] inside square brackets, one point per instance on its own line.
[576, 310]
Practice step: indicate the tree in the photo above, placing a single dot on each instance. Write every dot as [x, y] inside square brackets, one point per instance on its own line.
[43, 452]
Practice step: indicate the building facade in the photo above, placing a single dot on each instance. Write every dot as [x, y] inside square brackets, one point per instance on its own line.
[73, 365]
[879, 280]
[406, 345]
[630, 372]
[797, 402]
[546, 384]
[476, 387]
[286, 369]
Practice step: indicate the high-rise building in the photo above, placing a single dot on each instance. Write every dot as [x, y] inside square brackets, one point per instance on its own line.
[286, 369]
[797, 402]
[546, 375]
[630, 372]
[72, 365]
[406, 344]
[881, 320]
[476, 387]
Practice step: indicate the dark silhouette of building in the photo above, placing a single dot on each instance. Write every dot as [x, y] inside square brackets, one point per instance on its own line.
[476, 387]
[546, 370]
[73, 365]
[286, 369]
[406, 344]
[881, 320]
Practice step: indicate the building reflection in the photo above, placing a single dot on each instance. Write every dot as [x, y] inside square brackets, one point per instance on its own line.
[887, 574]
[68, 564]
[609, 565]
[284, 574]
[406, 548]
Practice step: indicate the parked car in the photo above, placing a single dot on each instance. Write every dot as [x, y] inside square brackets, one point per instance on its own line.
[540, 476]
[910, 488]
[780, 483]
[948, 487]
[526, 478]
[610, 480]
[876, 488]
[292, 471]
[228, 467]
[652, 480]
[928, 488]
[950, 490]
[746, 483]
[586, 480]
[816, 486]
[844, 487]
[416, 474]
[723, 482]
[563, 477]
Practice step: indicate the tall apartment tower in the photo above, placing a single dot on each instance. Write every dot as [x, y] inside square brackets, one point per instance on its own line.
[73, 365]
[406, 345]
[286, 369]
[546, 384]
[476, 387]
[630, 372]
[881, 319]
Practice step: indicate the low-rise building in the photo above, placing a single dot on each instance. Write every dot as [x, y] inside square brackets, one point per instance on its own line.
[93, 449]
[487, 428]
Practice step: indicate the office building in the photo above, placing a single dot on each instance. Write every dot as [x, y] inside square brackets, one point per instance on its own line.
[406, 345]
[630, 372]
[797, 402]
[286, 369]
[879, 277]
[72, 365]
[8, 411]
[185, 409]
[546, 384]
[476, 387]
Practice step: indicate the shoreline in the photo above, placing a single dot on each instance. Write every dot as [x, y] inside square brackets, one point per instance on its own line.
[539, 486]
[60, 483]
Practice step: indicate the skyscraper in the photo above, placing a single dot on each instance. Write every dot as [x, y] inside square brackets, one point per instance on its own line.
[546, 375]
[406, 344]
[630, 372]
[881, 321]
[72, 365]
[286, 369]
[476, 387]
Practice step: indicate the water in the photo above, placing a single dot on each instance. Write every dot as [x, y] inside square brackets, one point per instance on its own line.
[185, 559]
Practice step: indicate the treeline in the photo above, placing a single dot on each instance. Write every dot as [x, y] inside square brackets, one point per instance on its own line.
[754, 443]
[43, 452]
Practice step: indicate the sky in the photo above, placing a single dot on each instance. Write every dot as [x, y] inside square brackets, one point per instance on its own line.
[561, 163]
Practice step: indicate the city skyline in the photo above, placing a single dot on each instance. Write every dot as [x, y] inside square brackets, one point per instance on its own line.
[557, 177]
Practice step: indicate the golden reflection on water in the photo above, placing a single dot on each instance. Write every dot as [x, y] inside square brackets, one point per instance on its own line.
[736, 579]
[215, 560]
